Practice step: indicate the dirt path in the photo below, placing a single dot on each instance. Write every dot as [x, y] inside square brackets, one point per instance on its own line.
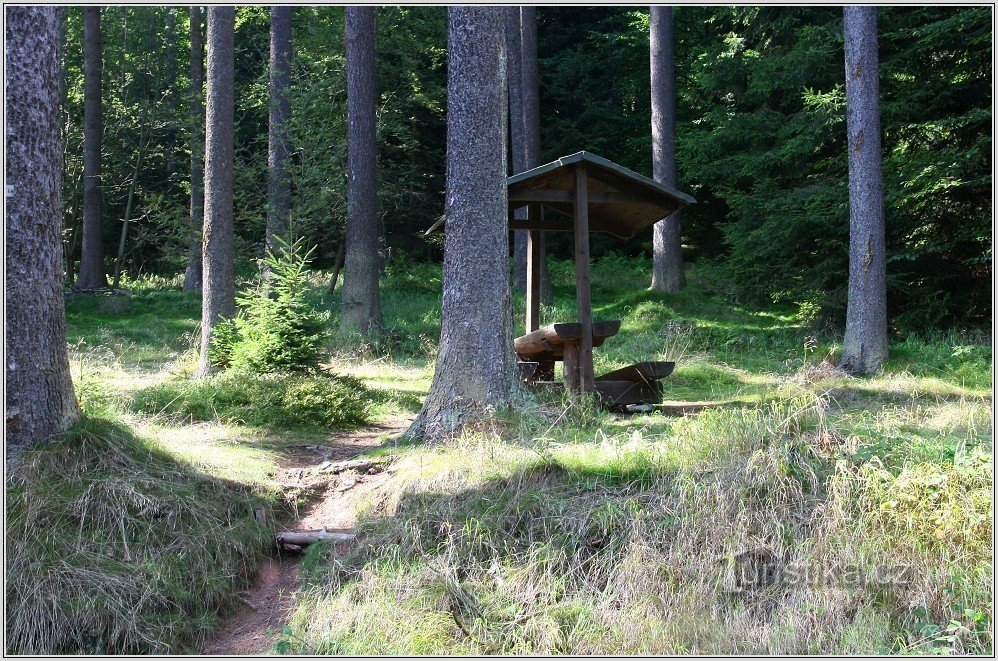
[254, 627]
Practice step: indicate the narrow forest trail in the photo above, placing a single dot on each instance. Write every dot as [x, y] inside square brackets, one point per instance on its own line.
[330, 503]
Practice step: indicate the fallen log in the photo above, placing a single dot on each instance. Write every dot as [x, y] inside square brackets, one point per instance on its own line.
[306, 537]
[350, 464]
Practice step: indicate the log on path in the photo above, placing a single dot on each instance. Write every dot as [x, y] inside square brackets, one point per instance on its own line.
[302, 538]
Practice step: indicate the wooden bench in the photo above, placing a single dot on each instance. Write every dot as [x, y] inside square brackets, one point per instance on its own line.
[538, 351]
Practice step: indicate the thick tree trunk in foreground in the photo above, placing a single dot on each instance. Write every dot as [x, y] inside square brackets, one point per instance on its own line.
[39, 390]
[517, 158]
[667, 271]
[361, 308]
[865, 346]
[91, 275]
[278, 187]
[192, 278]
[532, 125]
[218, 296]
[475, 370]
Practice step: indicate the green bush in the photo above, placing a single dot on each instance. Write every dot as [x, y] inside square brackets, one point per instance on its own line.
[279, 400]
[278, 330]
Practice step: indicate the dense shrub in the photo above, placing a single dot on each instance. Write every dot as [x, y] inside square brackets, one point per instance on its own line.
[278, 400]
[277, 329]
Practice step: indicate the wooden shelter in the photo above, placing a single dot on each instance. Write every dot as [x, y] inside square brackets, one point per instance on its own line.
[587, 193]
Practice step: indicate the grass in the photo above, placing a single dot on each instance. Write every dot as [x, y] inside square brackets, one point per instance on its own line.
[116, 545]
[814, 513]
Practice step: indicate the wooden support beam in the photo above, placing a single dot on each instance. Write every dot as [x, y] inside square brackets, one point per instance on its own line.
[582, 291]
[540, 195]
[548, 225]
[533, 272]
[571, 367]
[635, 194]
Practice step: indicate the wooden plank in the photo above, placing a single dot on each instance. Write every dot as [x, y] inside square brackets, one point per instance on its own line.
[533, 272]
[595, 197]
[547, 343]
[539, 195]
[622, 393]
[582, 287]
[647, 371]
[544, 225]
[601, 329]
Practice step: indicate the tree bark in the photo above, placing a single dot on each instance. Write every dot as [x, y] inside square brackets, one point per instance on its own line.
[337, 267]
[171, 95]
[475, 370]
[667, 262]
[517, 143]
[192, 278]
[361, 307]
[92, 274]
[278, 187]
[119, 262]
[218, 297]
[39, 389]
[532, 125]
[865, 347]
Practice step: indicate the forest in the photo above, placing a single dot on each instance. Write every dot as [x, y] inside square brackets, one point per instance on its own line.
[499, 330]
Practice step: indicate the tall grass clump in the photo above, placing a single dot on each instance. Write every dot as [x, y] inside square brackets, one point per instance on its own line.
[114, 547]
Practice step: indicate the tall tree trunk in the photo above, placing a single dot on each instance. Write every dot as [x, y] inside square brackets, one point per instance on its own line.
[475, 370]
[218, 295]
[278, 188]
[337, 267]
[92, 274]
[192, 278]
[361, 307]
[667, 268]
[171, 95]
[39, 389]
[517, 144]
[532, 126]
[119, 262]
[865, 346]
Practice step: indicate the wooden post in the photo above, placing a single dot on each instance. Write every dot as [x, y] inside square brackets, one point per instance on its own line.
[582, 293]
[571, 360]
[533, 272]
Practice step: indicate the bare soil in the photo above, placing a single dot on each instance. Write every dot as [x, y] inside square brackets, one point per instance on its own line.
[255, 625]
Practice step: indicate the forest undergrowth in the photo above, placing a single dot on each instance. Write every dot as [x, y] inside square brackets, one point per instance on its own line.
[809, 512]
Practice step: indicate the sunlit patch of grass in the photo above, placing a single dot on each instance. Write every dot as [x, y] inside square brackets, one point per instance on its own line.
[526, 538]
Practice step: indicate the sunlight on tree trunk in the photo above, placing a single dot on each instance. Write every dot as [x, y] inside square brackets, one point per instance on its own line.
[218, 298]
[39, 389]
[865, 346]
[475, 370]
[361, 306]
[667, 270]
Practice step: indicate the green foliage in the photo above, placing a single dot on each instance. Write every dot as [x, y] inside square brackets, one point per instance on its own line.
[273, 400]
[277, 330]
[115, 547]
[761, 140]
